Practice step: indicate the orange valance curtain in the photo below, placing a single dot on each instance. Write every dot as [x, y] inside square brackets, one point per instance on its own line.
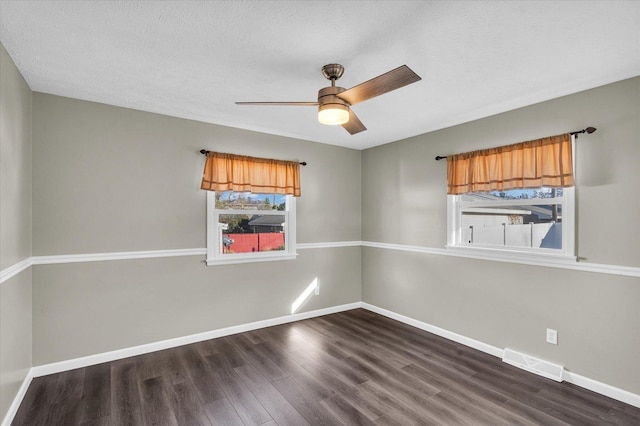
[229, 172]
[542, 162]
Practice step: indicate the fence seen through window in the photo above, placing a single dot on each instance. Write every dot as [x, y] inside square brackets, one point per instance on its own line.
[249, 223]
[514, 218]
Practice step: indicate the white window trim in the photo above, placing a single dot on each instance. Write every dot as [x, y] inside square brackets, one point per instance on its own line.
[215, 258]
[566, 254]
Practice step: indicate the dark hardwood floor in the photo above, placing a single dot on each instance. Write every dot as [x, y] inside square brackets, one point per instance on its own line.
[350, 368]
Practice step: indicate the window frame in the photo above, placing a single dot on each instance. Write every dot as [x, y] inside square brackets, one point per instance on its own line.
[216, 257]
[455, 206]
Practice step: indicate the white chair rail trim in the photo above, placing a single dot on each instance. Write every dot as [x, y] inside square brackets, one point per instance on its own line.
[24, 264]
[15, 269]
[629, 271]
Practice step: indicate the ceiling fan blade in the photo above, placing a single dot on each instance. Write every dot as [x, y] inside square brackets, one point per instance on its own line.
[354, 125]
[279, 103]
[380, 85]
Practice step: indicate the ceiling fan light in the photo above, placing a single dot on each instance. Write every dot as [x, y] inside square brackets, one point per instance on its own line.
[333, 114]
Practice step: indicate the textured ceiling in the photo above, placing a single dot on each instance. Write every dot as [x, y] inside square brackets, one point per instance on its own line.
[195, 59]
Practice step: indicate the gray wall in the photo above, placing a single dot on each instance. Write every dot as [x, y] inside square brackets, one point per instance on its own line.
[508, 305]
[15, 228]
[109, 179]
[88, 308]
[114, 179]
[15, 185]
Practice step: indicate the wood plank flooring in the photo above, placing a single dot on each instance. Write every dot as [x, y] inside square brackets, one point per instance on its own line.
[350, 368]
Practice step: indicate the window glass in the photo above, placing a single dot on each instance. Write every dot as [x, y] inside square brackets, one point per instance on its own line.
[252, 233]
[532, 220]
[515, 194]
[230, 200]
[489, 218]
[246, 225]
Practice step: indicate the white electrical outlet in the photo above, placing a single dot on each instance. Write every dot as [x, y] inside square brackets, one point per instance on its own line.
[317, 289]
[552, 336]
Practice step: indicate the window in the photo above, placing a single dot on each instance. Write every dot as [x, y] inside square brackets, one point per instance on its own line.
[518, 220]
[247, 227]
[498, 205]
[244, 225]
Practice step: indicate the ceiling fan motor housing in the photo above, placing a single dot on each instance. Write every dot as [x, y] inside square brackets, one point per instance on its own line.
[331, 108]
[329, 95]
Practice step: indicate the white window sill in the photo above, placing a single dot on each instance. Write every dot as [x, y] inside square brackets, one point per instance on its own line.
[250, 259]
[513, 255]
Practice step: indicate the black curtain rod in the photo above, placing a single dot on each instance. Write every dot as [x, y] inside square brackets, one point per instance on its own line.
[205, 152]
[588, 130]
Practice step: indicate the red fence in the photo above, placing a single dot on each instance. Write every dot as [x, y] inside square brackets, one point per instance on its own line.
[246, 243]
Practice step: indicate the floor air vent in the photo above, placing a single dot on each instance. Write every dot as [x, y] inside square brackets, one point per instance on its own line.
[534, 365]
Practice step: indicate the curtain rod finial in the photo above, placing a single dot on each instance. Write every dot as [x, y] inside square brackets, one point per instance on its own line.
[588, 130]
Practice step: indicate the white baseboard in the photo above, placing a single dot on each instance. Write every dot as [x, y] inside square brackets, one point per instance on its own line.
[568, 376]
[57, 367]
[483, 347]
[602, 388]
[13, 408]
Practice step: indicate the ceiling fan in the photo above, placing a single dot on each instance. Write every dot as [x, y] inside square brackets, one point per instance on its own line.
[334, 102]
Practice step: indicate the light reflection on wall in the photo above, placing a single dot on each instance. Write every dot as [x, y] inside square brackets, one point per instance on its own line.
[304, 296]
